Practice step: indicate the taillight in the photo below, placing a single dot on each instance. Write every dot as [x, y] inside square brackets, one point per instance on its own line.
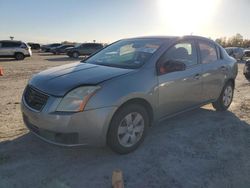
[24, 46]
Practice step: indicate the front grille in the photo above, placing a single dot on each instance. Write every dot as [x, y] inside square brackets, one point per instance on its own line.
[35, 99]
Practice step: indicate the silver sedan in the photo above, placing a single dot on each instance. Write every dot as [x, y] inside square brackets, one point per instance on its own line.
[116, 94]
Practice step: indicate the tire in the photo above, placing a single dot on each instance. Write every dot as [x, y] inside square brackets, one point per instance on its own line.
[123, 138]
[247, 77]
[19, 56]
[75, 54]
[226, 97]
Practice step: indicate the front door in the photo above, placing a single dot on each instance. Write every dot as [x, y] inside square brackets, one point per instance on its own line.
[179, 90]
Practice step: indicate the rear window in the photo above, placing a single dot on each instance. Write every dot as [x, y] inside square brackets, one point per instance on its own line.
[24, 45]
[208, 52]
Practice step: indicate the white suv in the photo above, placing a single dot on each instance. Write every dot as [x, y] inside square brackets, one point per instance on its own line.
[15, 49]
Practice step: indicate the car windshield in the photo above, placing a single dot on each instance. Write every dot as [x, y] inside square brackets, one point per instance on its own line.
[78, 45]
[129, 54]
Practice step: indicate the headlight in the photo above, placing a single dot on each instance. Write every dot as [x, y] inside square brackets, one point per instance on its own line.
[76, 99]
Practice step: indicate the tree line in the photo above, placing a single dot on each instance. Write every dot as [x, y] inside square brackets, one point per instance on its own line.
[234, 41]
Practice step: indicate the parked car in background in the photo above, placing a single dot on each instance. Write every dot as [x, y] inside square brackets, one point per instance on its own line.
[34, 46]
[246, 54]
[84, 49]
[246, 70]
[61, 49]
[46, 48]
[16, 49]
[113, 96]
[235, 52]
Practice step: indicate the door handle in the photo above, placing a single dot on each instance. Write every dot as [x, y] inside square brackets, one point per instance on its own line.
[197, 76]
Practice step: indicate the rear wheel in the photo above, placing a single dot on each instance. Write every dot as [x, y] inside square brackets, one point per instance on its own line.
[19, 56]
[225, 99]
[75, 54]
[128, 129]
[247, 77]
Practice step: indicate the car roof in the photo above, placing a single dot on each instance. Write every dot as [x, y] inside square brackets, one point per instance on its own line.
[173, 37]
[91, 43]
[10, 41]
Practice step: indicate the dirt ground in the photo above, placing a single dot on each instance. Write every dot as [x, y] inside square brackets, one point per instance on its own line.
[201, 148]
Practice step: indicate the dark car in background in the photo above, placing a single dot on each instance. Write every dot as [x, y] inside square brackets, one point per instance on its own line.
[61, 49]
[246, 70]
[247, 54]
[84, 49]
[34, 46]
[47, 48]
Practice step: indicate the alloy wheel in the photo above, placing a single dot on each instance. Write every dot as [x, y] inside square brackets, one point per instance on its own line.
[228, 95]
[131, 129]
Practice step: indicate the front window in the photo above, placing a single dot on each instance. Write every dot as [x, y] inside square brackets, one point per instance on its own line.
[184, 52]
[130, 54]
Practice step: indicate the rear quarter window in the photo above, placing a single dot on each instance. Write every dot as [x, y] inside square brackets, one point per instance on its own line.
[219, 54]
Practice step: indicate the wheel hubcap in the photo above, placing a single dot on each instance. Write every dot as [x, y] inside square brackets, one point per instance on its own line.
[228, 96]
[130, 129]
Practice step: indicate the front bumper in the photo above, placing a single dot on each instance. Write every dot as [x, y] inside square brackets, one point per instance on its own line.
[68, 129]
[69, 53]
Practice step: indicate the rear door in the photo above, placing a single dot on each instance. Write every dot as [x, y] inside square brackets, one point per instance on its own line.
[182, 89]
[213, 70]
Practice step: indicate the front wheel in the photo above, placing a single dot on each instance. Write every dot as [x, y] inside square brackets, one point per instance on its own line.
[225, 99]
[128, 129]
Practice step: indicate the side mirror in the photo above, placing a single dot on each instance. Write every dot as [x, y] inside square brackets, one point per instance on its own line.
[171, 66]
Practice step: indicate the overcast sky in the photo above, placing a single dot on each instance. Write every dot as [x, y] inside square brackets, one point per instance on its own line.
[47, 21]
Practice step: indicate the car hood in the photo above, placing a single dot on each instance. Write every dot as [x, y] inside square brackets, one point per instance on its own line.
[72, 48]
[59, 80]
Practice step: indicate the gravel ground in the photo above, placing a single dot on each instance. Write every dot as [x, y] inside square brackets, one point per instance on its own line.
[201, 148]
